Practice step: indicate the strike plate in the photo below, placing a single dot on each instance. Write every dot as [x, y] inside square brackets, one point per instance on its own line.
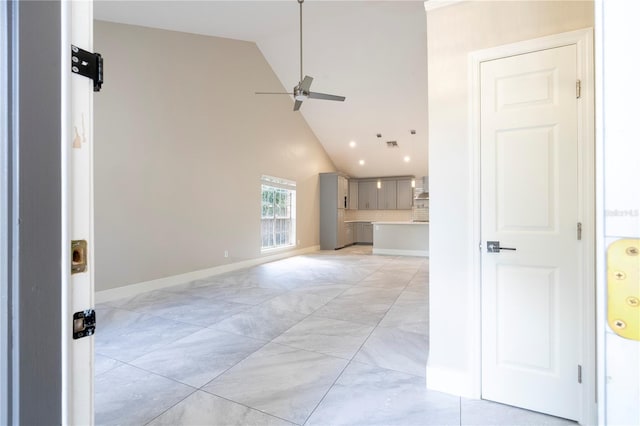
[623, 288]
[78, 256]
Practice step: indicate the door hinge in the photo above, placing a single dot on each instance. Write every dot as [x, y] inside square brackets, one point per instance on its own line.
[84, 323]
[579, 374]
[88, 65]
[578, 89]
[579, 231]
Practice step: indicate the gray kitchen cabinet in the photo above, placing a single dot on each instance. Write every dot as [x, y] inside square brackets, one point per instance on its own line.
[387, 195]
[405, 194]
[343, 192]
[365, 233]
[353, 194]
[350, 233]
[367, 195]
[362, 233]
[333, 197]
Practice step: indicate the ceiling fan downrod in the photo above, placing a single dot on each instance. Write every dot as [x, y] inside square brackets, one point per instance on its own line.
[300, 3]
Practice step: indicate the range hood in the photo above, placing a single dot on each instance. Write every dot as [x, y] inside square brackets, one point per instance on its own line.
[424, 195]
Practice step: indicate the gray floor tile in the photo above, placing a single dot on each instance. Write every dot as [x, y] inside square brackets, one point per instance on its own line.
[328, 290]
[201, 312]
[128, 335]
[387, 279]
[129, 396]
[368, 395]
[366, 305]
[102, 364]
[395, 349]
[260, 322]
[304, 303]
[279, 380]
[200, 357]
[410, 313]
[337, 338]
[201, 408]
[141, 301]
[487, 413]
[245, 295]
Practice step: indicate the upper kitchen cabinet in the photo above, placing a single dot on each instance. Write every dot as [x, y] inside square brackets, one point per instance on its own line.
[387, 195]
[353, 194]
[367, 195]
[405, 194]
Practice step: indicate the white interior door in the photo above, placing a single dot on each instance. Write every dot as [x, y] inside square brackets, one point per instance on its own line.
[78, 361]
[529, 199]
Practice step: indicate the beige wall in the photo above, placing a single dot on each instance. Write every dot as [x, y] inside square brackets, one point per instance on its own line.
[452, 33]
[181, 143]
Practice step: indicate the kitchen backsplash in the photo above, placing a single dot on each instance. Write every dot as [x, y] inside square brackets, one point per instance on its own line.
[379, 215]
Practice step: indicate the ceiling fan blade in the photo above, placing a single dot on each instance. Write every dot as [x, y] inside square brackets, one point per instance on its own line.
[274, 93]
[326, 97]
[306, 83]
[297, 105]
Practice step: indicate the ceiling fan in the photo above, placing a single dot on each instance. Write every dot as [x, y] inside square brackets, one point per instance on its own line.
[301, 90]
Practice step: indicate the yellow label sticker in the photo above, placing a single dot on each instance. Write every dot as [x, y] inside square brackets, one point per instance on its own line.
[623, 288]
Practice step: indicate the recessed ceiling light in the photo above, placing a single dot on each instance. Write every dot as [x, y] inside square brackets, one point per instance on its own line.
[361, 162]
[407, 158]
[352, 144]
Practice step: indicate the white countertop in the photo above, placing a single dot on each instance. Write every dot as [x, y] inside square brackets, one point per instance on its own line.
[400, 223]
[357, 221]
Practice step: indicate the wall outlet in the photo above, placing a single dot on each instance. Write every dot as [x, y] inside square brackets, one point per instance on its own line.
[226, 253]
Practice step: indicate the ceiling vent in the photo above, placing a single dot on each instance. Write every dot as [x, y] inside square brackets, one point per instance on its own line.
[392, 144]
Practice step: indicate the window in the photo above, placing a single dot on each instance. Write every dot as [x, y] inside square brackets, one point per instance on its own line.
[278, 213]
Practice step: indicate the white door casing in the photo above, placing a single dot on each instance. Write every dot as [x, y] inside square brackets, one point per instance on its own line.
[529, 201]
[77, 215]
[583, 339]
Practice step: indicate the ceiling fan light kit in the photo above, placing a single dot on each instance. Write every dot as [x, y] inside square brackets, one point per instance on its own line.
[301, 91]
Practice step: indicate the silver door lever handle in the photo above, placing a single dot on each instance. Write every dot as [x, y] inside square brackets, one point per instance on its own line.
[494, 247]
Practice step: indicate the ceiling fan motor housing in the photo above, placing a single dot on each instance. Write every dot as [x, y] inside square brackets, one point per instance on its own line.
[299, 94]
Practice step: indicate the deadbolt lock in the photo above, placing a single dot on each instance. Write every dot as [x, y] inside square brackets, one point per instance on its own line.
[78, 256]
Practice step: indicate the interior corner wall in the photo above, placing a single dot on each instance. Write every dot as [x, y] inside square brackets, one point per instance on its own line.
[619, 212]
[35, 213]
[452, 33]
[181, 142]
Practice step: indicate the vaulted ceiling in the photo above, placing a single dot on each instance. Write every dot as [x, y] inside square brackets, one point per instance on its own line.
[372, 52]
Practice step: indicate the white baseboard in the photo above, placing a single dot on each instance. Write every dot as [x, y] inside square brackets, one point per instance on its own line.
[143, 287]
[397, 252]
[450, 381]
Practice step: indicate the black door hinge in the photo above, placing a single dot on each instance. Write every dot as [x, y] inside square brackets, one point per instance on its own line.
[88, 65]
[84, 323]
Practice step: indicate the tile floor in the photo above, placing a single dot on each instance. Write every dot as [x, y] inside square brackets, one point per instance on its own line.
[331, 338]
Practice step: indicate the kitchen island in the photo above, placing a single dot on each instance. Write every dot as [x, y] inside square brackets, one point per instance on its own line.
[401, 238]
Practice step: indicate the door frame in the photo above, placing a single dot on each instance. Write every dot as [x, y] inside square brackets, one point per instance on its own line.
[583, 39]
